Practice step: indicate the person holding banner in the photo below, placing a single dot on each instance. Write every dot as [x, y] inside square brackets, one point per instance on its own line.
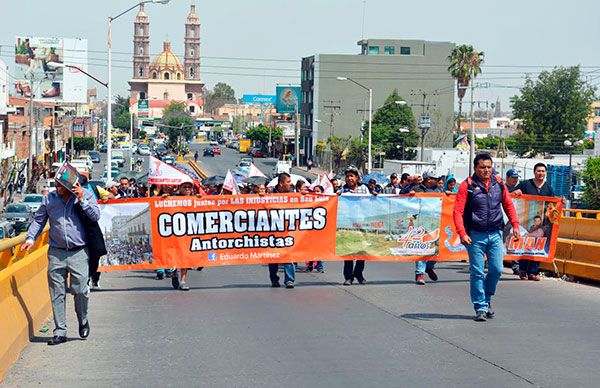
[284, 185]
[479, 223]
[186, 189]
[353, 186]
[429, 185]
[68, 253]
[530, 269]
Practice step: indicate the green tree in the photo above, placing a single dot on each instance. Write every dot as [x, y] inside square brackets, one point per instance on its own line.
[120, 113]
[222, 94]
[553, 108]
[465, 64]
[337, 145]
[357, 152]
[176, 122]
[591, 178]
[387, 124]
[83, 143]
[261, 134]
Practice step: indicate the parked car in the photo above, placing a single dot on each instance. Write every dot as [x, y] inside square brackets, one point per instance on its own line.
[244, 164]
[208, 152]
[216, 150]
[103, 148]
[87, 161]
[214, 143]
[144, 150]
[21, 227]
[119, 159]
[114, 175]
[34, 201]
[95, 155]
[161, 150]
[7, 230]
[258, 153]
[17, 212]
[169, 160]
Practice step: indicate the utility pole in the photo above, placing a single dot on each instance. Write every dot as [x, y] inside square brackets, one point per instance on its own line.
[424, 124]
[333, 110]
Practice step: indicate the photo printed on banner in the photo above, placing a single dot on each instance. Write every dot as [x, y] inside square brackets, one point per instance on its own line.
[127, 233]
[388, 226]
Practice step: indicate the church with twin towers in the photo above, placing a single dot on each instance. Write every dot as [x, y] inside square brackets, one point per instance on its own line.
[166, 79]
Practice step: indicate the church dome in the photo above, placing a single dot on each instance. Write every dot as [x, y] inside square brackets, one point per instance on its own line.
[166, 65]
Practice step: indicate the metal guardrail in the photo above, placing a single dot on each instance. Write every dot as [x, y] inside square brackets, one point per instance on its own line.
[579, 213]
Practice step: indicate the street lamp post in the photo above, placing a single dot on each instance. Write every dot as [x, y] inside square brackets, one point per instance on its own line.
[403, 130]
[369, 157]
[109, 83]
[571, 146]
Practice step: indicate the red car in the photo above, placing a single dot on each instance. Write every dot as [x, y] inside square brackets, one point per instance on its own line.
[259, 154]
[216, 150]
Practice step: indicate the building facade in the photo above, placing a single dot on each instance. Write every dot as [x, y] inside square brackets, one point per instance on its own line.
[166, 79]
[331, 107]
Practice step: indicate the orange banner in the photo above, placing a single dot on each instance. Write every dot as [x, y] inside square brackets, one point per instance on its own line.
[244, 229]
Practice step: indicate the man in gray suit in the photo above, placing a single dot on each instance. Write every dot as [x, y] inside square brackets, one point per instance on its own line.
[68, 252]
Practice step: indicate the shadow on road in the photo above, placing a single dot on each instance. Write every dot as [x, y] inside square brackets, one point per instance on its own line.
[431, 316]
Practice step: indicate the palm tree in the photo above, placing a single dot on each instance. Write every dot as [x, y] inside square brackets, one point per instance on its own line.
[465, 63]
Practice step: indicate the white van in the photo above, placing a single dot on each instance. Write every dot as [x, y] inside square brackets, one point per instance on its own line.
[283, 166]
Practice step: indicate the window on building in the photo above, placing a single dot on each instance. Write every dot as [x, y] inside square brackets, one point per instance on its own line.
[597, 112]
[140, 71]
[141, 30]
[191, 72]
[192, 108]
[404, 50]
[166, 75]
[193, 31]
[153, 75]
[192, 52]
[179, 76]
[596, 126]
[373, 50]
[142, 95]
[141, 51]
[165, 96]
[389, 50]
[190, 96]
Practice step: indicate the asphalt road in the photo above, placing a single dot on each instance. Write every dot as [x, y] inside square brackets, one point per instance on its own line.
[233, 330]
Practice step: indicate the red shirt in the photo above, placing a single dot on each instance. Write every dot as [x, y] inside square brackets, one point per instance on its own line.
[461, 202]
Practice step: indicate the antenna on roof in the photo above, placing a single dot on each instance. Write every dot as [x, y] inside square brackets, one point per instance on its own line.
[362, 33]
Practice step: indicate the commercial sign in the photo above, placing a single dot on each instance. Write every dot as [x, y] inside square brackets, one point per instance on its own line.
[288, 99]
[48, 68]
[258, 99]
[142, 109]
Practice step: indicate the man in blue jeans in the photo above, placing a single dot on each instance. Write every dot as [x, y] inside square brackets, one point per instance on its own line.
[284, 185]
[479, 223]
[429, 185]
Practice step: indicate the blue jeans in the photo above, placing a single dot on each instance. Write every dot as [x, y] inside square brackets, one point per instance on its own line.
[421, 266]
[288, 268]
[483, 287]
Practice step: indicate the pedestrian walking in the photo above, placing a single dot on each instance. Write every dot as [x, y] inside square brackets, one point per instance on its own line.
[479, 223]
[196, 157]
[353, 186]
[68, 253]
[530, 269]
[284, 185]
[512, 182]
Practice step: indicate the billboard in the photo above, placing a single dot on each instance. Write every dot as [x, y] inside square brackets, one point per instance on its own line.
[41, 69]
[258, 99]
[288, 99]
[142, 109]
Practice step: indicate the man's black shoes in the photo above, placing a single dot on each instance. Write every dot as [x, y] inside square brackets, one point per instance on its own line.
[57, 340]
[84, 330]
[480, 316]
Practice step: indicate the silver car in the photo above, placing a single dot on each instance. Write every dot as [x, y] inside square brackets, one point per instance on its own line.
[34, 201]
[17, 212]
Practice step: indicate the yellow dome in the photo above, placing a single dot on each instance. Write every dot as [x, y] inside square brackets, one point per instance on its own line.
[166, 60]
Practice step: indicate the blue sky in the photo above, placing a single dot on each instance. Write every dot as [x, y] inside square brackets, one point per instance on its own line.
[518, 37]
